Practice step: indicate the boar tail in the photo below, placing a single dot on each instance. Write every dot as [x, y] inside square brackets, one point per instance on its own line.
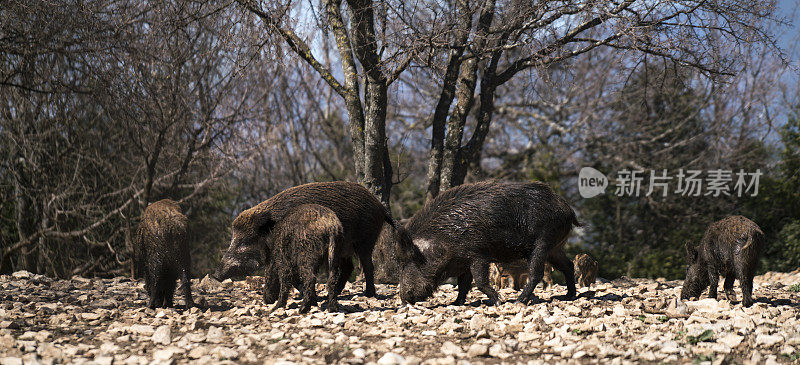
[332, 247]
[575, 221]
[757, 237]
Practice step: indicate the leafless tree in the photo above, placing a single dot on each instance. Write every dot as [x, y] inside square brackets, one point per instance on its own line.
[115, 104]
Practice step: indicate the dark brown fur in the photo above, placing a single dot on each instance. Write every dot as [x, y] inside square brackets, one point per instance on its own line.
[163, 252]
[465, 228]
[730, 247]
[308, 239]
[361, 214]
[585, 270]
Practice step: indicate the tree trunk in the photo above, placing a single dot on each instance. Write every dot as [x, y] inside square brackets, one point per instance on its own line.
[375, 141]
[26, 226]
[376, 101]
[455, 124]
[454, 162]
[471, 153]
[439, 119]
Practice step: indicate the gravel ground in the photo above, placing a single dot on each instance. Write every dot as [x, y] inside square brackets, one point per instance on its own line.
[625, 321]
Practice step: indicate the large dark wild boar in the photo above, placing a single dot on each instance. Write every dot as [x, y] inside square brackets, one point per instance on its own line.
[361, 214]
[730, 247]
[585, 269]
[163, 252]
[308, 239]
[465, 228]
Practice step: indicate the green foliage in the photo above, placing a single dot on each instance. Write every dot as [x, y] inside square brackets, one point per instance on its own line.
[789, 239]
[792, 357]
[703, 358]
[645, 236]
[642, 236]
[706, 336]
[777, 207]
[795, 288]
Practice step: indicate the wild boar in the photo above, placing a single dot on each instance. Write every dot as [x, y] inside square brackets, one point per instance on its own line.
[547, 280]
[511, 275]
[361, 214]
[730, 247]
[585, 269]
[163, 252]
[465, 228]
[309, 239]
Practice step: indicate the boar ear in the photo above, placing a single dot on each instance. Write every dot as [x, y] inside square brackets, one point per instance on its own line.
[401, 251]
[691, 252]
[264, 223]
[406, 251]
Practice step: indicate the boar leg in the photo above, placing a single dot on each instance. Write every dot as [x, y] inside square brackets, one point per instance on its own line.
[187, 289]
[558, 258]
[346, 266]
[187, 283]
[169, 294]
[728, 285]
[535, 271]
[713, 280]
[153, 290]
[334, 273]
[480, 272]
[309, 291]
[464, 286]
[283, 293]
[746, 282]
[272, 286]
[365, 258]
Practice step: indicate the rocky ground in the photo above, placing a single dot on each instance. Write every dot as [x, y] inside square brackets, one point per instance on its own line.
[628, 320]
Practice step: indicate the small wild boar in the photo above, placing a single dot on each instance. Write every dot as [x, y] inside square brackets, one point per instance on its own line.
[547, 280]
[464, 229]
[163, 252]
[511, 275]
[585, 269]
[306, 240]
[362, 216]
[730, 247]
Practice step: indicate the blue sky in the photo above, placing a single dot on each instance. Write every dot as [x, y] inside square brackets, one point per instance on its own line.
[788, 37]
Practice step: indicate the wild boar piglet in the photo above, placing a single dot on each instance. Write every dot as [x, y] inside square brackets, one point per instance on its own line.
[308, 240]
[730, 247]
[162, 252]
[585, 269]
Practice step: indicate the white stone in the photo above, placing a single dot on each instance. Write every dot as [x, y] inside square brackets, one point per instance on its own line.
[731, 340]
[165, 354]
[21, 274]
[162, 335]
[360, 353]
[214, 335]
[142, 329]
[477, 349]
[197, 352]
[390, 358]
[768, 340]
[451, 349]
[225, 352]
